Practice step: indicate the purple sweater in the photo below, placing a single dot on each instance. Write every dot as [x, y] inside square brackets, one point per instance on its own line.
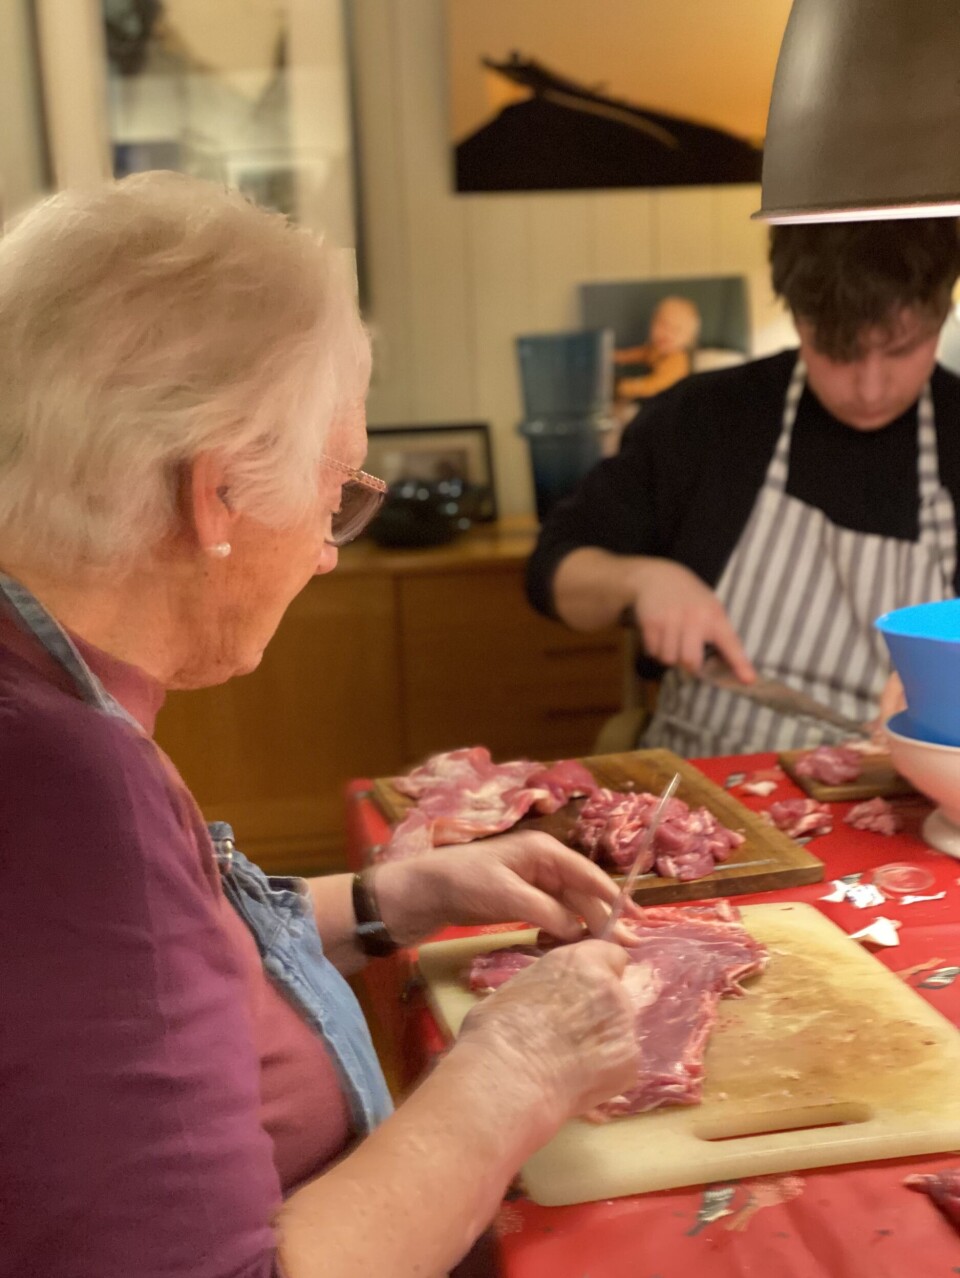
[131, 1140]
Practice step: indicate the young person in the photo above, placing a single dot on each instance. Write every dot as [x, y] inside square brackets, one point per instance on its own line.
[774, 510]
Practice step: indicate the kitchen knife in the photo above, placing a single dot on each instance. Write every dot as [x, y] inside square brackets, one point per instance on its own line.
[777, 696]
[645, 842]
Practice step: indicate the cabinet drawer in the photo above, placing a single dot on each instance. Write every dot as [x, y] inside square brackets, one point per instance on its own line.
[480, 667]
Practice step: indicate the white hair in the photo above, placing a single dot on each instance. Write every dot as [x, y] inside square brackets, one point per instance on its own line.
[146, 321]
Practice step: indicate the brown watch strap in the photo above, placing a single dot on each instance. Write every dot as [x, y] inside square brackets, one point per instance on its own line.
[371, 932]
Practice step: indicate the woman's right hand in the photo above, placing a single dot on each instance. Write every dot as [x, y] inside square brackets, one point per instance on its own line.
[678, 615]
[565, 1026]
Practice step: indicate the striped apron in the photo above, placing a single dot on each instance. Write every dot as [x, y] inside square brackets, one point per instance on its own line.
[803, 593]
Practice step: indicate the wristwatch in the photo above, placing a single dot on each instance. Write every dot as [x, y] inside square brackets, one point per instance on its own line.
[371, 931]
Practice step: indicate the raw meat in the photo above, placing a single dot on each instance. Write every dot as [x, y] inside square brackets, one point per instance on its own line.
[461, 769]
[413, 835]
[694, 956]
[687, 844]
[876, 815]
[943, 1187]
[488, 972]
[561, 781]
[682, 961]
[761, 788]
[800, 818]
[832, 765]
[463, 795]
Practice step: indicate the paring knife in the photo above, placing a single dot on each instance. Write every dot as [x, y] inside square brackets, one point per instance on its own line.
[777, 696]
[645, 842]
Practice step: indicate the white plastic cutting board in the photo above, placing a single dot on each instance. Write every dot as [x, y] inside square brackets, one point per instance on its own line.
[826, 1035]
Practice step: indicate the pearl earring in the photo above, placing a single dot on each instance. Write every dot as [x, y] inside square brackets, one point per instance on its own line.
[221, 549]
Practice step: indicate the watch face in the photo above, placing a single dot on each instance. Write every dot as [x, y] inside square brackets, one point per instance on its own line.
[374, 939]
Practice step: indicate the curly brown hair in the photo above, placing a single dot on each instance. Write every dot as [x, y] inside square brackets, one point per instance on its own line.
[846, 277]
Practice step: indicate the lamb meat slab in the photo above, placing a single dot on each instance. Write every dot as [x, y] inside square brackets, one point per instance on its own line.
[462, 769]
[463, 795]
[831, 765]
[682, 961]
[693, 957]
[559, 783]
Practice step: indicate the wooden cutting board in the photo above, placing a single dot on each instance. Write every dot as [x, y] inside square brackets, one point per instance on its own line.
[830, 1059]
[877, 778]
[766, 861]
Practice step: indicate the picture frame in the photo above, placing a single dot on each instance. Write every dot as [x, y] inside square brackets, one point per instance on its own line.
[435, 452]
[654, 96]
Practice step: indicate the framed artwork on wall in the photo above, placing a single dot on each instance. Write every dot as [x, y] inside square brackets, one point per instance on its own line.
[258, 95]
[458, 456]
[557, 95]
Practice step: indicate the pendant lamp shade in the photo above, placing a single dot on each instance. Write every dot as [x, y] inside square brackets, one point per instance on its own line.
[864, 118]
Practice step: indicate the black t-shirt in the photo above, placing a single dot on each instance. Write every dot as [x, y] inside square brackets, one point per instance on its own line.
[693, 460]
[859, 479]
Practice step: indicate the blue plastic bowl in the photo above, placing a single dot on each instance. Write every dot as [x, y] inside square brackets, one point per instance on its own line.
[924, 646]
[904, 726]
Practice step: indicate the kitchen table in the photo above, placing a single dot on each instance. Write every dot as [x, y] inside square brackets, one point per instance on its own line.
[847, 1222]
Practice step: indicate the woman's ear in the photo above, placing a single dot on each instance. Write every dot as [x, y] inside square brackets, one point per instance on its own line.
[208, 511]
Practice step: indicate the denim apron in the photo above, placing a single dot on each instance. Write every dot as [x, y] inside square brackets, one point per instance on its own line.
[277, 911]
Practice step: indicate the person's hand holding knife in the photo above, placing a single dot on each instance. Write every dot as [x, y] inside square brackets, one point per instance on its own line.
[680, 618]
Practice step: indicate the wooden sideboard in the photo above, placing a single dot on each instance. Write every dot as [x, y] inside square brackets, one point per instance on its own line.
[395, 655]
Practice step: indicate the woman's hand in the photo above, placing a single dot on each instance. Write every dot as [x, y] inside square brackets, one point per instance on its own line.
[523, 876]
[552, 1043]
[563, 1027]
[679, 615]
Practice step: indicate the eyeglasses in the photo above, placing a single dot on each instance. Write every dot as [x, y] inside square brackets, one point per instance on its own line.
[360, 498]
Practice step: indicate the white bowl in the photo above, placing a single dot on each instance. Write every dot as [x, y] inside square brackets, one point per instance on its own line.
[935, 771]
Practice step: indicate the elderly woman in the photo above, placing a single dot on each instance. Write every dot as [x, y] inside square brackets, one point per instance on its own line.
[186, 1083]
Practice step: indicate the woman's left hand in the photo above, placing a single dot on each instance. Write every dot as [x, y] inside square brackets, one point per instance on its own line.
[525, 875]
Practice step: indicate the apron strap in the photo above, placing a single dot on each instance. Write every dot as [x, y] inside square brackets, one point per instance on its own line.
[31, 615]
[777, 471]
[936, 517]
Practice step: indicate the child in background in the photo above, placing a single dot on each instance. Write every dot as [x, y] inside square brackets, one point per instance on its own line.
[674, 330]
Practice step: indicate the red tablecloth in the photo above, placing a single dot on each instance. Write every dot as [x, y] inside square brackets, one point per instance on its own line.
[849, 1222]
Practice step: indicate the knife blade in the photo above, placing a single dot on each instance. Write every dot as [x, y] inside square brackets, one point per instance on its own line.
[645, 842]
[776, 696]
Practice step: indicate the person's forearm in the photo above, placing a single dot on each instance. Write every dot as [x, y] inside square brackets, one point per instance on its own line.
[332, 899]
[634, 354]
[665, 374]
[412, 1198]
[592, 587]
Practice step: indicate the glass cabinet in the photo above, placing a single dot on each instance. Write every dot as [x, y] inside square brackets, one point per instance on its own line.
[252, 93]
